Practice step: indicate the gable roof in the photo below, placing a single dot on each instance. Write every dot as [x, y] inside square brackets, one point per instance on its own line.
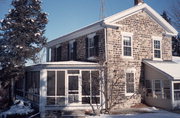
[109, 22]
[151, 12]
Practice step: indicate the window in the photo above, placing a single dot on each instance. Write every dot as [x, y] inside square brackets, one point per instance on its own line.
[157, 47]
[148, 88]
[90, 87]
[129, 83]
[166, 86]
[72, 48]
[176, 91]
[127, 44]
[56, 88]
[55, 53]
[32, 85]
[157, 86]
[92, 42]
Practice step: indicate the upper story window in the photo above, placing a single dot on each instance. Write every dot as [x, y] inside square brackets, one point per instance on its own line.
[127, 44]
[157, 47]
[92, 48]
[54, 53]
[72, 49]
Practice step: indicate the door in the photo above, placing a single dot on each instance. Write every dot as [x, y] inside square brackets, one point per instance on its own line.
[73, 89]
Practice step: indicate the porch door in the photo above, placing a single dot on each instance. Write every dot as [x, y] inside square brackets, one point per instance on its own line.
[73, 89]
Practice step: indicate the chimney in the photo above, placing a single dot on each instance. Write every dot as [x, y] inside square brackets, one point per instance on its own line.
[138, 2]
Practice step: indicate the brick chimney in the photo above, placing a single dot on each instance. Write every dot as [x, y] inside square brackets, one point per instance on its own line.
[137, 2]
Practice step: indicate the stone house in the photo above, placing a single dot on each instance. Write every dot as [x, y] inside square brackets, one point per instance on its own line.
[116, 62]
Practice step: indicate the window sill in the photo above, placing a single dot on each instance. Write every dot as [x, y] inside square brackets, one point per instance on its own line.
[157, 59]
[91, 58]
[129, 94]
[128, 57]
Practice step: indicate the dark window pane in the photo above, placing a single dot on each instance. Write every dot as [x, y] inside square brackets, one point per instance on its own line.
[73, 71]
[127, 51]
[50, 101]
[61, 101]
[148, 84]
[85, 100]
[85, 83]
[157, 53]
[176, 95]
[51, 83]
[95, 82]
[36, 81]
[60, 82]
[130, 82]
[73, 82]
[73, 98]
[95, 100]
[177, 86]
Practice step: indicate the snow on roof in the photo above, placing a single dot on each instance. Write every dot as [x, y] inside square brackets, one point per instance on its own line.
[176, 59]
[170, 68]
[69, 63]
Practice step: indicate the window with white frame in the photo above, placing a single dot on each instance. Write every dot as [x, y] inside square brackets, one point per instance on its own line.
[90, 87]
[148, 88]
[127, 44]
[92, 45]
[157, 86]
[176, 91]
[166, 89]
[56, 88]
[157, 47]
[129, 83]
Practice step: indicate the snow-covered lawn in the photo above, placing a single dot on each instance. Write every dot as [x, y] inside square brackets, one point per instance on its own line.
[20, 107]
[155, 114]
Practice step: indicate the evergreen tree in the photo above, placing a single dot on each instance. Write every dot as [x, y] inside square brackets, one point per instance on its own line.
[22, 38]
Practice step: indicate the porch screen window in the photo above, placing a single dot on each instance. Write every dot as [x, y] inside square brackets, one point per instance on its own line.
[176, 91]
[56, 88]
[32, 85]
[157, 48]
[129, 83]
[166, 85]
[157, 86]
[127, 46]
[148, 88]
[90, 87]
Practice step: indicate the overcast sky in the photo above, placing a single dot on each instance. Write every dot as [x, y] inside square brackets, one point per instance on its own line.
[66, 16]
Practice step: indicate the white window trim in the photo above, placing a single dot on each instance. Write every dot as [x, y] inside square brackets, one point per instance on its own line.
[158, 39]
[128, 34]
[132, 70]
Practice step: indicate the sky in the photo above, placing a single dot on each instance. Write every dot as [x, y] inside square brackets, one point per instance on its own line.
[66, 16]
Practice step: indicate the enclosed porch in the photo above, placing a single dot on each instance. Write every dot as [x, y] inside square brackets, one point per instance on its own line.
[162, 83]
[63, 85]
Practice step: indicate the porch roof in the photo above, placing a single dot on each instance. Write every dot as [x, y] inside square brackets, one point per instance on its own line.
[169, 68]
[64, 65]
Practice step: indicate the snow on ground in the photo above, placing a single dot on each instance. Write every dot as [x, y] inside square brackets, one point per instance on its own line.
[176, 59]
[19, 107]
[153, 113]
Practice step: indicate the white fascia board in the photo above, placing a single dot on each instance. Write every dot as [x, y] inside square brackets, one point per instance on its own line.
[83, 31]
[125, 13]
[152, 13]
